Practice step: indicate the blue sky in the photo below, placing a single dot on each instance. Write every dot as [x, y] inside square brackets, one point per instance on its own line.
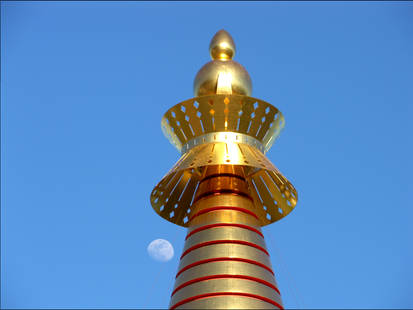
[84, 86]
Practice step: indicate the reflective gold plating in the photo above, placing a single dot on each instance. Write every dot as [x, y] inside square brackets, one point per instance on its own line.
[224, 188]
[221, 118]
[227, 302]
[251, 274]
[206, 80]
[222, 75]
[222, 46]
[224, 137]
[273, 195]
[222, 113]
[225, 267]
[223, 216]
[227, 285]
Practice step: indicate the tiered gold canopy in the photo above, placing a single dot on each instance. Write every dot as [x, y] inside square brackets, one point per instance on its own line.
[222, 125]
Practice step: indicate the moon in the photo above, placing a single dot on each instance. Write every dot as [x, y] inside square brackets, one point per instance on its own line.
[161, 250]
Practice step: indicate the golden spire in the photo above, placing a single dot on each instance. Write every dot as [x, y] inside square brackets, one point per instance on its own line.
[222, 75]
[223, 188]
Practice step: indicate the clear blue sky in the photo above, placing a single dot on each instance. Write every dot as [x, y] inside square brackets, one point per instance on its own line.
[84, 86]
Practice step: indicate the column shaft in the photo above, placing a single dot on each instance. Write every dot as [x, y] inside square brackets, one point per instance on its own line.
[225, 263]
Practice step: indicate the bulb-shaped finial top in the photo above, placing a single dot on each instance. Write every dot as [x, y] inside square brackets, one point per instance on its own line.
[222, 46]
[222, 75]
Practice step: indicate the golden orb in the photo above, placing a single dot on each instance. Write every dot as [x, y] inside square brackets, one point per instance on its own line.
[222, 75]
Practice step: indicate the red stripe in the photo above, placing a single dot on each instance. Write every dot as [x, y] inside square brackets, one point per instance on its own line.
[222, 259]
[222, 225]
[223, 208]
[225, 276]
[226, 294]
[200, 245]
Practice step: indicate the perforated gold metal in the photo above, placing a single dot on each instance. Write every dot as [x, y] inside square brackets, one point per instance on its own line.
[274, 196]
[223, 130]
[218, 113]
[223, 136]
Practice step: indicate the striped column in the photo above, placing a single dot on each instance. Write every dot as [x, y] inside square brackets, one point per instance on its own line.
[225, 263]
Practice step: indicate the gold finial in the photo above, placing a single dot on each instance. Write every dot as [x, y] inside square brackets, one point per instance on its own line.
[222, 46]
[222, 75]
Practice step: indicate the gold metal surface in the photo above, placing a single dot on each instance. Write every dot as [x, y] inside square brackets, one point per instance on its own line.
[224, 233]
[223, 188]
[222, 113]
[252, 275]
[225, 267]
[223, 216]
[225, 250]
[274, 196]
[222, 46]
[213, 130]
[226, 285]
[222, 153]
[227, 302]
[225, 137]
[206, 80]
[222, 75]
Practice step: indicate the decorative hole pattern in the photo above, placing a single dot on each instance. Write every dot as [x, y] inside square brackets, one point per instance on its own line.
[274, 196]
[206, 114]
[223, 130]
[227, 137]
[176, 191]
